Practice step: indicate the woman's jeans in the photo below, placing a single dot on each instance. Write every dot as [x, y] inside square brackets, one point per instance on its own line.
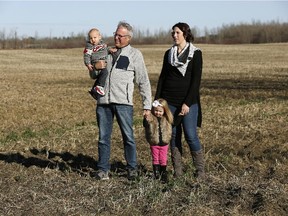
[124, 116]
[189, 124]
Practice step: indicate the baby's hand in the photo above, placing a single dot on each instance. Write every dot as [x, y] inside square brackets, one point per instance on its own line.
[90, 67]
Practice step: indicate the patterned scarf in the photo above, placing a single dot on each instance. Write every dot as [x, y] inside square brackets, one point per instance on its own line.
[181, 61]
[115, 55]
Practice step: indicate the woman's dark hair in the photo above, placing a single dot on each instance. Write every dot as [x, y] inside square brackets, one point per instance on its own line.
[184, 27]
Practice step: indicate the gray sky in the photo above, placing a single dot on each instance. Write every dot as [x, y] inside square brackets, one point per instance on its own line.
[62, 18]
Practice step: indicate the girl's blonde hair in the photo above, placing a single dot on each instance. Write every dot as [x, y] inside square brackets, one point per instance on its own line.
[167, 112]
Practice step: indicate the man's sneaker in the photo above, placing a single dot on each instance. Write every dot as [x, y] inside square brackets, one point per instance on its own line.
[101, 175]
[100, 90]
[132, 174]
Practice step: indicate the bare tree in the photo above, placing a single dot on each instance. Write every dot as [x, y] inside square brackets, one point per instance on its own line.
[2, 39]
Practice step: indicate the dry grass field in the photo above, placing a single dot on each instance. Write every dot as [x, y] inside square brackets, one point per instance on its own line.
[48, 138]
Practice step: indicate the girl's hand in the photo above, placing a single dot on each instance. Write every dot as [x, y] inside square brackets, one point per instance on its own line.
[147, 115]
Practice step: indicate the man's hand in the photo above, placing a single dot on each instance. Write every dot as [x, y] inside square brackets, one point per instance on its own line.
[101, 64]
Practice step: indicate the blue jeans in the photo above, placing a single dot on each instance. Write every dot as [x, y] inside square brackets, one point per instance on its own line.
[189, 125]
[124, 116]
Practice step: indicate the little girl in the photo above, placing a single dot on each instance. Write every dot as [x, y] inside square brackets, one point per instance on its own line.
[158, 131]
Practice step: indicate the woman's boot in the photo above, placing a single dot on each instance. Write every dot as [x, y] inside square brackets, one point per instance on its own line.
[177, 162]
[198, 160]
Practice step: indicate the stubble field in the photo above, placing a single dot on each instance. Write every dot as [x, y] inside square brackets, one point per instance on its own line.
[48, 138]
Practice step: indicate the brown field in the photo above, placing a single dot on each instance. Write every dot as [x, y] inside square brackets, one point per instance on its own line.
[48, 138]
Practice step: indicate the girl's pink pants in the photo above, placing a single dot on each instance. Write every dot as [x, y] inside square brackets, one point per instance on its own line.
[159, 154]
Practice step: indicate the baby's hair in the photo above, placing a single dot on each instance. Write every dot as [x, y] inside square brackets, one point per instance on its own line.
[167, 112]
[92, 30]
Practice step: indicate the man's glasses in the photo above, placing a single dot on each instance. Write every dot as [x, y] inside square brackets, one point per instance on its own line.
[119, 36]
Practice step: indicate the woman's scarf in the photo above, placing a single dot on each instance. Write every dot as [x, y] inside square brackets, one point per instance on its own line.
[181, 61]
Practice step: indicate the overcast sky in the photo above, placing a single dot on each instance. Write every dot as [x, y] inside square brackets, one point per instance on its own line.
[62, 18]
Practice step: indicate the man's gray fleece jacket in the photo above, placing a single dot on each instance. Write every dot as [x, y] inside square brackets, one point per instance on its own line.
[127, 69]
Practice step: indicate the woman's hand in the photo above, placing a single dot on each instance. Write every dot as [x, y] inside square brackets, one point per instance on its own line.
[184, 110]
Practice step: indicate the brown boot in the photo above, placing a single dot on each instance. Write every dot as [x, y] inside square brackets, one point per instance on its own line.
[198, 160]
[177, 162]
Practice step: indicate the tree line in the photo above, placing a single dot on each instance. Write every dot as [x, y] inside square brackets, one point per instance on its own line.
[243, 33]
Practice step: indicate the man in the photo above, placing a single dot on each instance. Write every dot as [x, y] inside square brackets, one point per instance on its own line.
[125, 67]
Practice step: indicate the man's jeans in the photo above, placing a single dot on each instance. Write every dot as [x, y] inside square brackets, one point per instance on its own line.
[105, 116]
[189, 123]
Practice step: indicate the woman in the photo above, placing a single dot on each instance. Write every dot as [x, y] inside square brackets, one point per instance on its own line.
[179, 84]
